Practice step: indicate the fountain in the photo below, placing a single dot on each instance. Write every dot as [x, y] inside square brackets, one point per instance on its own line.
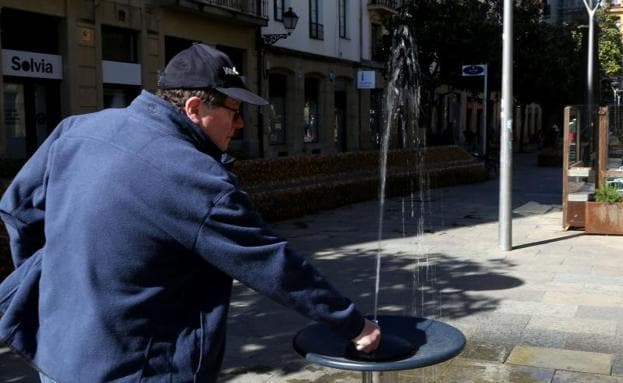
[407, 342]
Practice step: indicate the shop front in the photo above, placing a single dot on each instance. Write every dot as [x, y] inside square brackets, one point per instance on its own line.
[31, 86]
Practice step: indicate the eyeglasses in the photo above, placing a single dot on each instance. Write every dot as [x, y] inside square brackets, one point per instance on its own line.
[237, 113]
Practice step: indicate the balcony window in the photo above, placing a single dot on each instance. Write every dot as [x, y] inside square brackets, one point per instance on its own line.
[342, 10]
[279, 10]
[316, 29]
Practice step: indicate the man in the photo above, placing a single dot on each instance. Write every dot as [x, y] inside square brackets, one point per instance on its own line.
[126, 231]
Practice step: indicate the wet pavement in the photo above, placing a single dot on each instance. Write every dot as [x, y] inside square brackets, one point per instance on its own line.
[549, 310]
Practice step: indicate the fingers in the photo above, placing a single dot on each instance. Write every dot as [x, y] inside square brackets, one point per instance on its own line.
[369, 338]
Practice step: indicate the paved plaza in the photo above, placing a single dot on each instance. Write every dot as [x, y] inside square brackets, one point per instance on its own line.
[550, 310]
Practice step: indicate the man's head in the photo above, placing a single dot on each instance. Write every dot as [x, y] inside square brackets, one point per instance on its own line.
[202, 82]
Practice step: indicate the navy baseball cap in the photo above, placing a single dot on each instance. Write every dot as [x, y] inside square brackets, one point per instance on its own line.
[202, 66]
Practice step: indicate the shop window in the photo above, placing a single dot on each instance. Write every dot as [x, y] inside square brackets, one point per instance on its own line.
[14, 120]
[119, 96]
[311, 110]
[277, 97]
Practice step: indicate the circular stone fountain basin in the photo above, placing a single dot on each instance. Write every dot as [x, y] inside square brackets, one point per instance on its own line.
[406, 343]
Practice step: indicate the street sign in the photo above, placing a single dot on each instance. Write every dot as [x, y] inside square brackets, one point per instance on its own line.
[365, 79]
[475, 70]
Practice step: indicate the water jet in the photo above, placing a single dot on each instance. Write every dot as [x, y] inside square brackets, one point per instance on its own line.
[407, 342]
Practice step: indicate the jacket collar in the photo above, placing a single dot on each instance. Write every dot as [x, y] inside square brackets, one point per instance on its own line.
[151, 106]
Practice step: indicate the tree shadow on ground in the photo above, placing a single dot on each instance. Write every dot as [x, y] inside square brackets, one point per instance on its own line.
[436, 286]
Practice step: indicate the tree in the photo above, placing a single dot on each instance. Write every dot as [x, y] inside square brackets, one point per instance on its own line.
[451, 33]
[609, 52]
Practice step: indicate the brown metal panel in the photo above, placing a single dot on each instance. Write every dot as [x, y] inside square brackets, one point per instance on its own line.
[604, 218]
[575, 214]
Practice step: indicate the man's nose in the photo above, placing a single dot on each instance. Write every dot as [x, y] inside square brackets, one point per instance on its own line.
[238, 123]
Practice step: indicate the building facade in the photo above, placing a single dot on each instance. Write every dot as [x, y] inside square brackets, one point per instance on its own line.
[63, 57]
[325, 79]
[95, 54]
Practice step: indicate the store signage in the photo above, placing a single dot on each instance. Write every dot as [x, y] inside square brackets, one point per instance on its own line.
[365, 79]
[31, 64]
[116, 72]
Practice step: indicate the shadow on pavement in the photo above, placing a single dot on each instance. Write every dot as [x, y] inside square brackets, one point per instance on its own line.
[431, 286]
[551, 240]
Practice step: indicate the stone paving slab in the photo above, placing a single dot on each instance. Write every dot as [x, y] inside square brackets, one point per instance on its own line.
[573, 325]
[463, 370]
[558, 293]
[559, 359]
[579, 377]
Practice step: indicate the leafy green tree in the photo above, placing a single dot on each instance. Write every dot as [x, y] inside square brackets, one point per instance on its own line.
[452, 33]
[548, 62]
[609, 52]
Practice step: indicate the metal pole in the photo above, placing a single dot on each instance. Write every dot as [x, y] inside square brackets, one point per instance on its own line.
[590, 8]
[484, 115]
[260, 90]
[379, 376]
[506, 131]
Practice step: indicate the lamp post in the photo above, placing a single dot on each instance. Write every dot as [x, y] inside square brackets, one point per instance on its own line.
[506, 133]
[591, 8]
[290, 19]
[616, 101]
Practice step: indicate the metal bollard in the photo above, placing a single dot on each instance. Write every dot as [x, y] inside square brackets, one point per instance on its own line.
[379, 377]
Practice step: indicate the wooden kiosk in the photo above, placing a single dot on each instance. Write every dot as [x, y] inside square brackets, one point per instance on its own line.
[591, 157]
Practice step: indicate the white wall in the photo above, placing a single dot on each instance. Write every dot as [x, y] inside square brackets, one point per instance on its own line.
[332, 45]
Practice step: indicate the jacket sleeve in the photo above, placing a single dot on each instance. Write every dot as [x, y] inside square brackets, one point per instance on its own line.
[22, 206]
[234, 239]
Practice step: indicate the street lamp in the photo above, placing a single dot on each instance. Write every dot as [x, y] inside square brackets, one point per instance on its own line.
[616, 92]
[591, 8]
[289, 22]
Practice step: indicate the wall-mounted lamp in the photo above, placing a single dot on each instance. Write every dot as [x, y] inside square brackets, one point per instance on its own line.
[331, 75]
[289, 22]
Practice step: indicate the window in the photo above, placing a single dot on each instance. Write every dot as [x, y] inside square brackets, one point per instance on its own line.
[316, 29]
[119, 96]
[277, 96]
[119, 44]
[278, 10]
[14, 114]
[310, 110]
[342, 8]
[377, 43]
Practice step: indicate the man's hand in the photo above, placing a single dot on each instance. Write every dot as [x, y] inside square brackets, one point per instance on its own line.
[369, 338]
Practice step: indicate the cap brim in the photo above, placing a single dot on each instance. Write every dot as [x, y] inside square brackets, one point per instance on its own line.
[243, 95]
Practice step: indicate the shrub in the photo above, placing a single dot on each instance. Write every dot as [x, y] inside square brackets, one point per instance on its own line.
[608, 194]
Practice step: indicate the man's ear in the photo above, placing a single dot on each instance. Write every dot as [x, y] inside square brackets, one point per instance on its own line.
[191, 107]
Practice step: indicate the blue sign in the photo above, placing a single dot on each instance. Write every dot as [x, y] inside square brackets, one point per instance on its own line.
[475, 70]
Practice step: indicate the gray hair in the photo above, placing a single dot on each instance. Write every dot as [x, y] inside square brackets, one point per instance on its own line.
[178, 97]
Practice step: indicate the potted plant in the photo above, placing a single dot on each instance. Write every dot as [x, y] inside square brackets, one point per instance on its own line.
[605, 214]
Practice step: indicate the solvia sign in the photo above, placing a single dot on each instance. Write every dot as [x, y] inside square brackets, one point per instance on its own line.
[31, 64]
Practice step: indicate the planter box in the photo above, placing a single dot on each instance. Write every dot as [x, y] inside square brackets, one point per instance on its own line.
[603, 218]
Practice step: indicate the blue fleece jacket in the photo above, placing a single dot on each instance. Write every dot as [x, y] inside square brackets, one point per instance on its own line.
[126, 231]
